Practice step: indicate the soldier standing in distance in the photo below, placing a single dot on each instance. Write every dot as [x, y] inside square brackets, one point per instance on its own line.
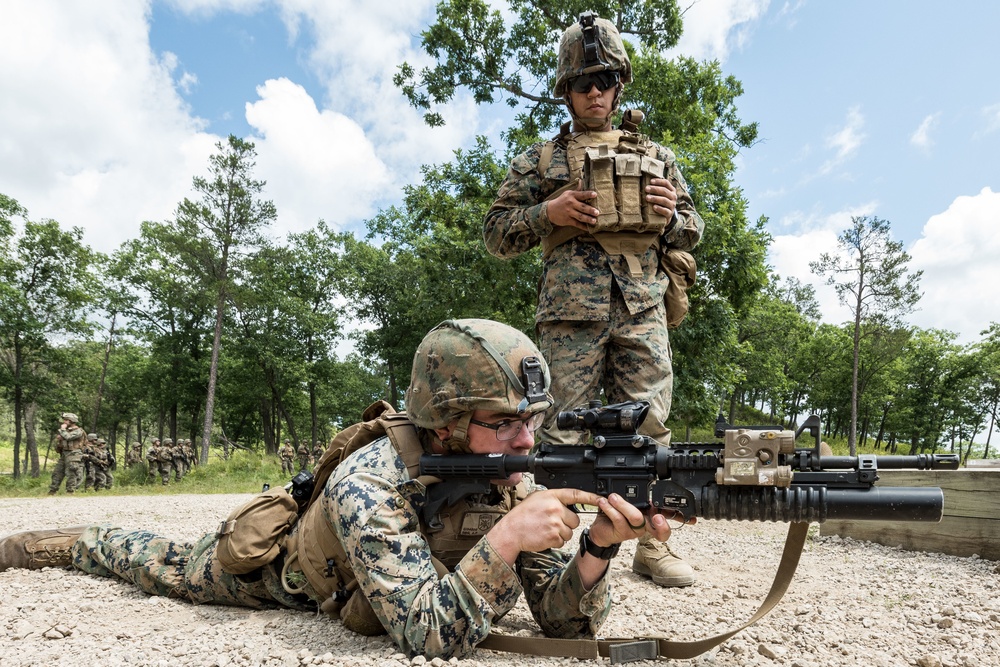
[287, 454]
[303, 453]
[69, 446]
[153, 457]
[164, 460]
[317, 452]
[89, 447]
[601, 318]
[101, 461]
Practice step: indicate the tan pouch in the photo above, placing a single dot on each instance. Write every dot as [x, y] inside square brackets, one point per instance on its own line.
[253, 534]
[681, 268]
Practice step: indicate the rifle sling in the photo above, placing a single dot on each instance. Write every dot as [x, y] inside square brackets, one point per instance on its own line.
[622, 650]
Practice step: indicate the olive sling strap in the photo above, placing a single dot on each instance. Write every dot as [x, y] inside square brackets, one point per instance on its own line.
[622, 650]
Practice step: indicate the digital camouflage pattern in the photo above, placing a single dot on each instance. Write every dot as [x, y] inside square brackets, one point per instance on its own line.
[589, 297]
[374, 505]
[160, 566]
[573, 62]
[454, 373]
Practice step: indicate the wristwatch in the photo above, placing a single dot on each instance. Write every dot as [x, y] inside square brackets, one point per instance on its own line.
[604, 553]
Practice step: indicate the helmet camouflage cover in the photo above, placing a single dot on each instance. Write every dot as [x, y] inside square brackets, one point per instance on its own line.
[168, 441]
[590, 45]
[467, 365]
[92, 437]
[70, 416]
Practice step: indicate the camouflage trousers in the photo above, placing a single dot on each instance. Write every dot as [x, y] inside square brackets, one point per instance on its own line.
[103, 479]
[628, 357]
[163, 467]
[287, 467]
[161, 566]
[68, 467]
[180, 469]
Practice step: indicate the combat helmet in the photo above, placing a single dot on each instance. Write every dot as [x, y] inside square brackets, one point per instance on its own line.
[70, 417]
[589, 46]
[92, 437]
[466, 365]
[168, 441]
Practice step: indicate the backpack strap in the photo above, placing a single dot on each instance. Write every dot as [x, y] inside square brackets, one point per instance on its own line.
[549, 147]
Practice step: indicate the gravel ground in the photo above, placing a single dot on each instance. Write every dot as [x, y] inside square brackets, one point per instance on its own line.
[851, 603]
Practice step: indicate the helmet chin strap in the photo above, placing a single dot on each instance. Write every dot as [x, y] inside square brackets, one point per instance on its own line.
[594, 124]
[458, 439]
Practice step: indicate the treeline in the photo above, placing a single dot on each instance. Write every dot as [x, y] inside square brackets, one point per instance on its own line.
[206, 327]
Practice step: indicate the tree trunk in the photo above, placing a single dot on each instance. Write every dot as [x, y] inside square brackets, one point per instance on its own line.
[31, 443]
[104, 371]
[18, 400]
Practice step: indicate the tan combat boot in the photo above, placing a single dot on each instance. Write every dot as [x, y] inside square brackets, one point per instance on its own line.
[655, 559]
[35, 549]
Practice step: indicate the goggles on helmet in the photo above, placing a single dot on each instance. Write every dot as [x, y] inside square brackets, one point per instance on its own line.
[603, 81]
[508, 429]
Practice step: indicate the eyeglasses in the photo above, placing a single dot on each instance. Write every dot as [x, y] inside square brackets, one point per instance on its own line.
[603, 81]
[508, 429]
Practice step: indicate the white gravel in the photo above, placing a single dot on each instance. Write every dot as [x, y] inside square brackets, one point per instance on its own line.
[851, 604]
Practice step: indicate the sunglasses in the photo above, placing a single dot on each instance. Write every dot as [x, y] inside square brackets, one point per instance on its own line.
[603, 81]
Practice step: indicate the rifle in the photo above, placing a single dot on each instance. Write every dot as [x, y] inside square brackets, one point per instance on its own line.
[756, 473]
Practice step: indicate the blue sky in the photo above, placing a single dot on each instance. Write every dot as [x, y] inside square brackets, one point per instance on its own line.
[883, 108]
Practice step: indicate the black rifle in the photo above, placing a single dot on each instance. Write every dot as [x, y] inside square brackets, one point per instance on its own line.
[755, 473]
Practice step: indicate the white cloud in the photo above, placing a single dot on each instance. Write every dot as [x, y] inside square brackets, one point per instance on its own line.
[958, 254]
[357, 58]
[921, 138]
[317, 164]
[715, 27]
[92, 131]
[846, 141]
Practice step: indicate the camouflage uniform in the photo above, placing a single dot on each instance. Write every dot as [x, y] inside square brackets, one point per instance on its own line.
[190, 457]
[134, 455]
[153, 457]
[69, 446]
[164, 459]
[599, 324]
[287, 454]
[601, 321]
[101, 461]
[89, 448]
[178, 460]
[304, 457]
[317, 452]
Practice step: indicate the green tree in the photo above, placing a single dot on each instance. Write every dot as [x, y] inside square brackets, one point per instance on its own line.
[226, 220]
[47, 287]
[167, 309]
[870, 275]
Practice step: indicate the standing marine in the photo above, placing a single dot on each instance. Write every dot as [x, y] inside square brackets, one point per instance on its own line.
[69, 446]
[611, 212]
[287, 454]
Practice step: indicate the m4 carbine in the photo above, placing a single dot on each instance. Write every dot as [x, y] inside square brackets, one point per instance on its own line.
[756, 473]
